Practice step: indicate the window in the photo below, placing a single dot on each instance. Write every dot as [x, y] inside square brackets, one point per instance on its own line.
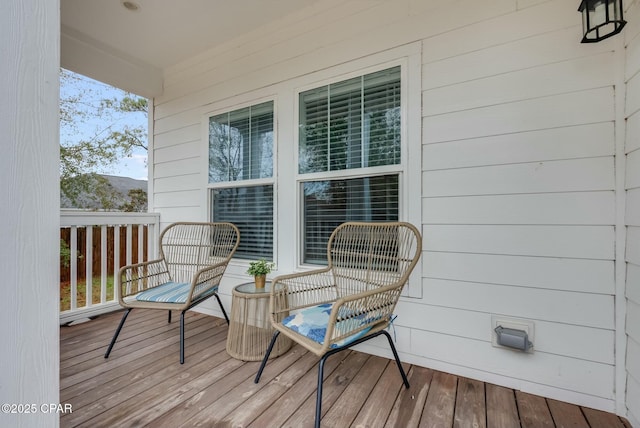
[241, 176]
[241, 144]
[350, 147]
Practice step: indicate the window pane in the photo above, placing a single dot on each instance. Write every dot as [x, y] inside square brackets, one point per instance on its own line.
[327, 204]
[351, 124]
[382, 117]
[251, 210]
[313, 150]
[241, 144]
[345, 124]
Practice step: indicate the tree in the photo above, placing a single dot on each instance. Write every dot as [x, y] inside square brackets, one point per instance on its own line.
[137, 201]
[97, 129]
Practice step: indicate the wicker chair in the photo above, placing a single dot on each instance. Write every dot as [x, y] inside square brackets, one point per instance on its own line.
[193, 258]
[351, 300]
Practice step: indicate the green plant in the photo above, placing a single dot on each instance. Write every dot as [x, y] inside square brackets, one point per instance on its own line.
[260, 267]
[65, 253]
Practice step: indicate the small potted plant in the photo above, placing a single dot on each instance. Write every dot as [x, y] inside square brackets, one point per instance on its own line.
[259, 269]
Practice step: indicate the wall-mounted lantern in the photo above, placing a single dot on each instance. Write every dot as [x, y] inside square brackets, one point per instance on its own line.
[601, 19]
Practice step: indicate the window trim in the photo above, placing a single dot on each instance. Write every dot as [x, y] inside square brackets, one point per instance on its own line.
[409, 59]
[249, 100]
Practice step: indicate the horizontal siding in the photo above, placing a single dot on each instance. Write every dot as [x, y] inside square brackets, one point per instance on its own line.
[575, 175]
[585, 376]
[513, 55]
[633, 207]
[517, 203]
[530, 83]
[576, 108]
[550, 337]
[177, 167]
[191, 198]
[583, 208]
[633, 277]
[633, 174]
[633, 245]
[582, 141]
[192, 149]
[633, 94]
[504, 29]
[186, 181]
[538, 304]
[582, 242]
[567, 274]
[178, 136]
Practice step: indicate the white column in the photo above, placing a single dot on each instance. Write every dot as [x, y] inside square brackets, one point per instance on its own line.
[29, 210]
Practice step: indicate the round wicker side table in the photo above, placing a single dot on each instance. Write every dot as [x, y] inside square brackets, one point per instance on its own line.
[250, 329]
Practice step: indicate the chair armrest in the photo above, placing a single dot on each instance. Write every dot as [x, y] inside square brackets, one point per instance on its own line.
[301, 290]
[370, 309]
[205, 279]
[138, 277]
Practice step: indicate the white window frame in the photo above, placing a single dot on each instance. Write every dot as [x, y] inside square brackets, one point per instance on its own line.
[221, 108]
[408, 57]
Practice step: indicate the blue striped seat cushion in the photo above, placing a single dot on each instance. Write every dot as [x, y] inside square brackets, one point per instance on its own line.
[312, 323]
[169, 292]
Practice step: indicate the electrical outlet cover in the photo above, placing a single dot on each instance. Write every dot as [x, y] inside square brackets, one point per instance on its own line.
[515, 323]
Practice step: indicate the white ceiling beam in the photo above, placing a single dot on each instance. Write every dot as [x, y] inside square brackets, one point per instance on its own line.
[81, 54]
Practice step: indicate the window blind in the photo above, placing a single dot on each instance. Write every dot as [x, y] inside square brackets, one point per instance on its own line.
[329, 203]
[355, 123]
[251, 210]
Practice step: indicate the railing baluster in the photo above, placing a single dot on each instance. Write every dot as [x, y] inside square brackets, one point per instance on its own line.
[73, 249]
[116, 261]
[129, 246]
[103, 263]
[88, 266]
[140, 243]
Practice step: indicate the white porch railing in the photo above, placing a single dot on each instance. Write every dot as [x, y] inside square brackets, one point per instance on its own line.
[99, 243]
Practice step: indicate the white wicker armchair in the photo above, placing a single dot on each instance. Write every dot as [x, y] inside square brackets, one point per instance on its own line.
[351, 300]
[193, 258]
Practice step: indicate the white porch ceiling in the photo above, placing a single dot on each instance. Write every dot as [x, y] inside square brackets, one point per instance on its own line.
[101, 37]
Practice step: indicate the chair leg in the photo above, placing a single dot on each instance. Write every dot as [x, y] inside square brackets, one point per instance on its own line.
[222, 307]
[395, 355]
[266, 357]
[319, 390]
[115, 336]
[169, 318]
[339, 349]
[182, 337]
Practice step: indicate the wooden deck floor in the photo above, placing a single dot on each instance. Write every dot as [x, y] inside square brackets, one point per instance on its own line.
[143, 384]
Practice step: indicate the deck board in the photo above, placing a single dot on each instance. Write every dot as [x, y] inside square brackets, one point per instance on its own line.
[502, 411]
[143, 384]
[534, 411]
[470, 404]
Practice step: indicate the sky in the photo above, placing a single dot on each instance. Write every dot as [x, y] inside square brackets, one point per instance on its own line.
[89, 93]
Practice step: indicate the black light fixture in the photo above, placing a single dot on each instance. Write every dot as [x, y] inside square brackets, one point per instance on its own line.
[601, 19]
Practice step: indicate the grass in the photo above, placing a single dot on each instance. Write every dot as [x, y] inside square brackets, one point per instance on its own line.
[81, 295]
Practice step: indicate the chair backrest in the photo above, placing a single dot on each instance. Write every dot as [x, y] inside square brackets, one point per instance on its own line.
[365, 256]
[189, 247]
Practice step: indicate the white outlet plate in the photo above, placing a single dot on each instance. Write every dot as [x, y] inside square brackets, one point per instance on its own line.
[515, 323]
